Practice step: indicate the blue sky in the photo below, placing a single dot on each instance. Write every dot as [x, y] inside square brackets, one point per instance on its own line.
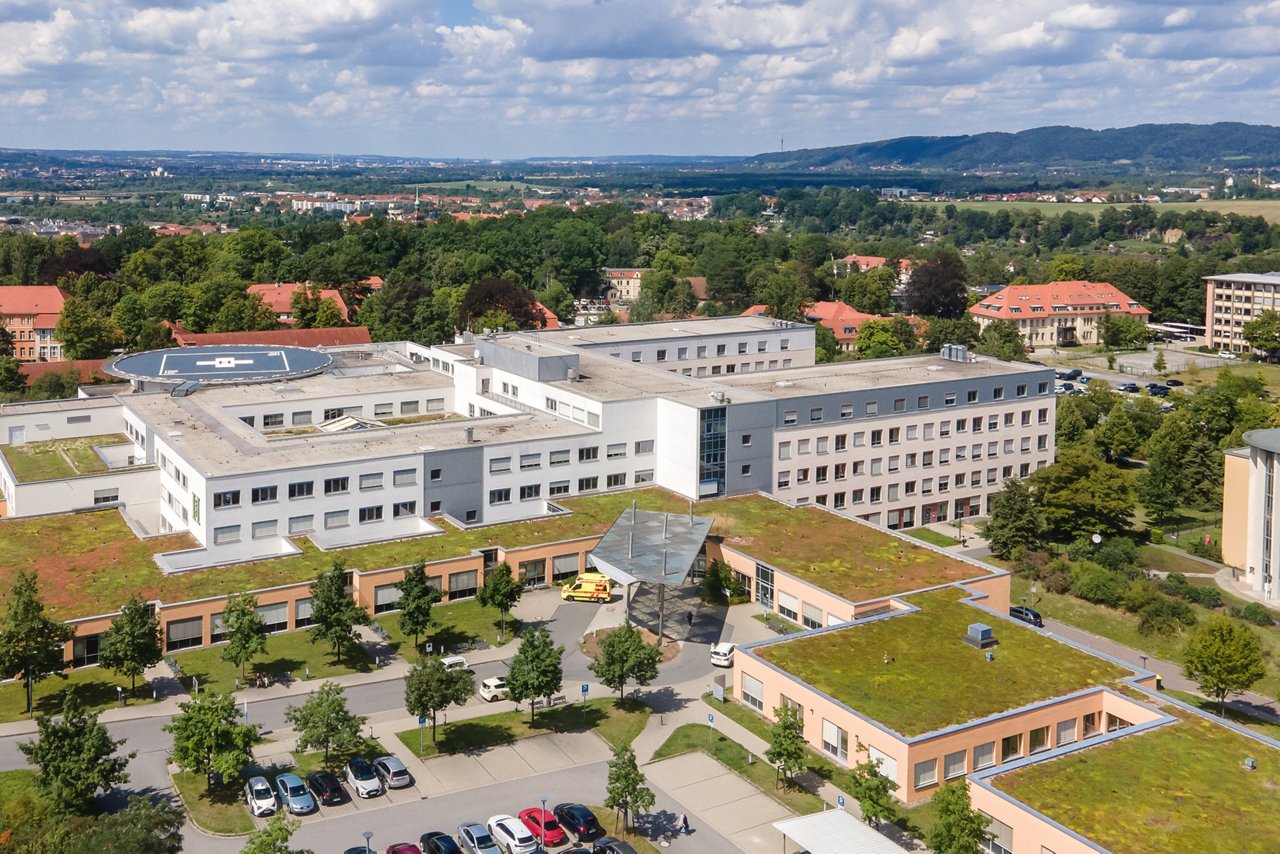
[518, 78]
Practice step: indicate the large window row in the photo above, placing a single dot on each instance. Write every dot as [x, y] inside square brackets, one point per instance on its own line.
[386, 409]
[928, 432]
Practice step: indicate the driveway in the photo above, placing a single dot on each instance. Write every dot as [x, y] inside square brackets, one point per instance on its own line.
[719, 799]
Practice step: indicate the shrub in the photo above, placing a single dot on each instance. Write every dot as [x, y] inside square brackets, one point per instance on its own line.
[1256, 613]
[1165, 616]
[1208, 597]
[1095, 583]
[1156, 535]
[1115, 553]
[1211, 550]
[1140, 594]
[1057, 578]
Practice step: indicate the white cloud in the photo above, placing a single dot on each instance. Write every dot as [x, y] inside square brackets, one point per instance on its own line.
[1084, 16]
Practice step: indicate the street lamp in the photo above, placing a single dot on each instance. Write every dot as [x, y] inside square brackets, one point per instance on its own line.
[1033, 594]
[542, 823]
[368, 835]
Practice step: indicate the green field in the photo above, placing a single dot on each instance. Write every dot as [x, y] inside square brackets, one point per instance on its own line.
[480, 186]
[1268, 208]
[219, 809]
[456, 624]
[95, 688]
[287, 652]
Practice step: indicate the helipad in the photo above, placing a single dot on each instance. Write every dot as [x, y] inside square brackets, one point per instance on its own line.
[233, 364]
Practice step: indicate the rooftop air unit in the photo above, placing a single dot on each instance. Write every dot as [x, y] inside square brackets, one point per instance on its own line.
[980, 636]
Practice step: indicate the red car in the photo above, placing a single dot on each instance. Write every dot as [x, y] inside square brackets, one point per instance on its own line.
[404, 848]
[541, 821]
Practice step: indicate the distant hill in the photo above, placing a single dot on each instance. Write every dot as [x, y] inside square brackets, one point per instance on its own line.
[1155, 146]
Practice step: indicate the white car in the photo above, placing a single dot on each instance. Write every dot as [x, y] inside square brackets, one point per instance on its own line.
[722, 654]
[362, 778]
[455, 662]
[511, 834]
[493, 689]
[259, 797]
[1225, 354]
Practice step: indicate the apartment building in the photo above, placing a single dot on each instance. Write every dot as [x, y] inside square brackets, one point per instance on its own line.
[622, 284]
[279, 298]
[30, 314]
[1058, 314]
[1233, 300]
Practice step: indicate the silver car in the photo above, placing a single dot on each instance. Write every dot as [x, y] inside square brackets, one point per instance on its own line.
[392, 772]
[476, 840]
[259, 797]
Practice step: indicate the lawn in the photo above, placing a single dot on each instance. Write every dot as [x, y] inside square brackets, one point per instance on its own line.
[778, 623]
[1211, 707]
[932, 537]
[734, 756]
[1174, 789]
[95, 687]
[217, 810]
[305, 763]
[616, 721]
[932, 678]
[456, 624]
[1165, 560]
[288, 652]
[58, 458]
[609, 822]
[1208, 376]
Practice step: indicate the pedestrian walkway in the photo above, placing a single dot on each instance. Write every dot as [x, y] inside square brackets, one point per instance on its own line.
[716, 797]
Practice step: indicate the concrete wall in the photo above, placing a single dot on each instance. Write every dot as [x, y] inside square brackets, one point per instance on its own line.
[40, 421]
[1235, 510]
[133, 486]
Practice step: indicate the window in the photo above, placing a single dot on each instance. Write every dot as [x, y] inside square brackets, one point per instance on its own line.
[682, 353]
[559, 458]
[84, 651]
[784, 450]
[842, 441]
[1039, 739]
[761, 346]
[815, 413]
[263, 530]
[226, 534]
[589, 455]
[953, 765]
[330, 414]
[753, 692]
[1066, 732]
[644, 446]
[899, 404]
[643, 476]
[998, 394]
[835, 741]
[1022, 390]
[247, 419]
[662, 355]
[949, 399]
[299, 525]
[802, 447]
[616, 451]
[877, 438]
[371, 514]
[462, 585]
[498, 465]
[614, 481]
[873, 407]
[274, 419]
[926, 773]
[784, 480]
[434, 506]
[437, 474]
[106, 496]
[384, 410]
[184, 634]
[1091, 724]
[335, 485]
[742, 347]
[230, 498]
[336, 519]
[789, 417]
[301, 419]
[500, 496]
[720, 349]
[784, 344]
[401, 509]
[971, 396]
[408, 407]
[435, 404]
[635, 355]
[746, 471]
[372, 480]
[404, 477]
[588, 484]
[922, 402]
[895, 435]
[984, 756]
[1010, 747]
[702, 352]
[558, 487]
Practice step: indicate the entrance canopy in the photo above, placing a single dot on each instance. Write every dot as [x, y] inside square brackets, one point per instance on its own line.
[835, 832]
[656, 548]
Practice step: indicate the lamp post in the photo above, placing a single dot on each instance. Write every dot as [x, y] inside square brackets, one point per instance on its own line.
[542, 823]
[1034, 598]
[368, 835]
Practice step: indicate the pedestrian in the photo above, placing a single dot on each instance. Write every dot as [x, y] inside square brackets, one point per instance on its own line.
[690, 619]
[684, 823]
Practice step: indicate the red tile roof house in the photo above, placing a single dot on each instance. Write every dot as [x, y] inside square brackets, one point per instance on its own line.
[863, 263]
[841, 318]
[30, 313]
[279, 298]
[1059, 313]
[336, 336]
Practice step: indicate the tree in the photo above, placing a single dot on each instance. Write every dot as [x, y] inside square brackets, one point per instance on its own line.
[132, 644]
[960, 829]
[537, 669]
[12, 380]
[328, 315]
[556, 299]
[324, 722]
[1002, 340]
[624, 656]
[873, 790]
[85, 332]
[142, 827]
[826, 347]
[877, 340]
[787, 747]
[1070, 427]
[417, 595]
[334, 614]
[491, 295]
[937, 287]
[872, 292]
[1118, 331]
[1014, 522]
[31, 644]
[273, 837]
[1224, 657]
[244, 630]
[76, 757]
[429, 688]
[1159, 365]
[1168, 481]
[6, 343]
[1263, 333]
[1080, 495]
[626, 792]
[501, 591]
[943, 330]
[209, 738]
[1117, 437]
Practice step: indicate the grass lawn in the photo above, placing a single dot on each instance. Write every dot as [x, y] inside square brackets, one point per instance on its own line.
[590, 645]
[289, 652]
[779, 624]
[733, 756]
[609, 822]
[1164, 560]
[933, 679]
[457, 623]
[14, 784]
[616, 721]
[217, 810]
[933, 537]
[58, 458]
[95, 687]
[917, 820]
[305, 763]
[1174, 789]
[1211, 707]
[1208, 376]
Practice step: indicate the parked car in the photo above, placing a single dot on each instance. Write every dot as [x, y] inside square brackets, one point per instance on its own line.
[722, 654]
[327, 788]
[511, 835]
[294, 795]
[392, 773]
[1173, 383]
[492, 689]
[1026, 615]
[544, 827]
[438, 842]
[578, 822]
[1159, 391]
[362, 778]
[611, 845]
[259, 797]
[1130, 388]
[455, 662]
[476, 840]
[403, 848]
[1224, 354]
[1085, 380]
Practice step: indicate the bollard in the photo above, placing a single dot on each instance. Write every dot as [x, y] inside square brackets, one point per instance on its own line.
[307, 670]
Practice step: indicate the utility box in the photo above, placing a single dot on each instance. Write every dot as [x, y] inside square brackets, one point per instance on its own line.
[980, 636]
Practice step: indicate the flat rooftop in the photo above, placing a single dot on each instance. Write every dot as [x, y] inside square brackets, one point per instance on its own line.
[934, 679]
[1173, 789]
[834, 377]
[690, 327]
[57, 459]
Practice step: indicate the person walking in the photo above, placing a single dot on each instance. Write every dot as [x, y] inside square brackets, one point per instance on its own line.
[684, 824]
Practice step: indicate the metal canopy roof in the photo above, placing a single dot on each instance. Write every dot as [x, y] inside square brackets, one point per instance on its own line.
[656, 548]
[835, 832]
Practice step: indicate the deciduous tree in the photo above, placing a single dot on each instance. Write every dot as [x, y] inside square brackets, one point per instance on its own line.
[31, 644]
[1117, 437]
[1224, 657]
[1015, 522]
[417, 595]
[501, 591]
[324, 722]
[85, 332]
[209, 737]
[76, 757]
[334, 614]
[873, 790]
[429, 689]
[960, 829]
[1263, 333]
[625, 656]
[787, 747]
[1002, 340]
[132, 643]
[626, 792]
[537, 669]
[245, 633]
[937, 286]
[1080, 495]
[274, 836]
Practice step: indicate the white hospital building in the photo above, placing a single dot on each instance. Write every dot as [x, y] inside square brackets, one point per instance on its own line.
[387, 437]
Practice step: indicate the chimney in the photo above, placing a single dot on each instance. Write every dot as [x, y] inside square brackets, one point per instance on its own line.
[470, 434]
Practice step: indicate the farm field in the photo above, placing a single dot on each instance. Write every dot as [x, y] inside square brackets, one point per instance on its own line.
[1268, 208]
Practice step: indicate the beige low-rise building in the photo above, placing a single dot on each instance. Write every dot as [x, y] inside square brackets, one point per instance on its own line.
[1057, 314]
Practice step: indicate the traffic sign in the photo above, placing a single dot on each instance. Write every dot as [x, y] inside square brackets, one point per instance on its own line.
[840, 801]
[584, 689]
[422, 720]
[711, 719]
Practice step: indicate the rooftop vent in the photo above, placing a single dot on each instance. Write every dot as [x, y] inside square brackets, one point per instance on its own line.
[980, 636]
[955, 352]
[573, 375]
[784, 383]
[470, 434]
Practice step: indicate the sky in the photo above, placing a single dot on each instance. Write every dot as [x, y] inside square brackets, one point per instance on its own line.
[526, 78]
